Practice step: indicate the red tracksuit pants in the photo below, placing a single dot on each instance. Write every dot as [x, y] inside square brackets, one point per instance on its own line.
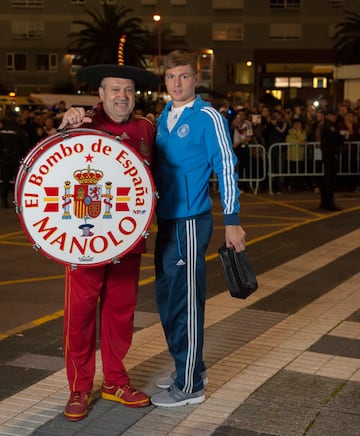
[115, 287]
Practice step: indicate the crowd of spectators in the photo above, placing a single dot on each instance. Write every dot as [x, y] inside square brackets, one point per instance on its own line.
[264, 125]
[297, 125]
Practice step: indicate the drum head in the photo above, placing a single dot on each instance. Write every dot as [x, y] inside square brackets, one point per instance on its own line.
[84, 197]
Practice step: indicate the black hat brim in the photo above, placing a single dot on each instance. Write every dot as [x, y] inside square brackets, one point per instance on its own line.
[94, 74]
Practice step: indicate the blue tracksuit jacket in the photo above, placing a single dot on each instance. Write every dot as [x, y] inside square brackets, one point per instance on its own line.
[198, 145]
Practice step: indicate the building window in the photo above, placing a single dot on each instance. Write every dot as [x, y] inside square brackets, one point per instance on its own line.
[228, 4]
[27, 30]
[285, 4]
[281, 82]
[242, 74]
[46, 62]
[178, 29]
[16, 62]
[336, 3]
[205, 62]
[227, 32]
[295, 82]
[320, 82]
[27, 3]
[285, 31]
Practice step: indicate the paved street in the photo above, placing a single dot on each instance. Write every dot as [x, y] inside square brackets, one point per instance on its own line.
[286, 361]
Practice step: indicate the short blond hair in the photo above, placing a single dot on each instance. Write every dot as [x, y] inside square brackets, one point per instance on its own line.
[178, 58]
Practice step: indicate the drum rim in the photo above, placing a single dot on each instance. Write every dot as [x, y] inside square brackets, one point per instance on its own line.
[37, 150]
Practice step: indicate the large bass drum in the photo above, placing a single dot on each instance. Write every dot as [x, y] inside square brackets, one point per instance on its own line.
[84, 197]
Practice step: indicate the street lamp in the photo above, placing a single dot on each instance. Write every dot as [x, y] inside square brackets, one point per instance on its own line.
[157, 19]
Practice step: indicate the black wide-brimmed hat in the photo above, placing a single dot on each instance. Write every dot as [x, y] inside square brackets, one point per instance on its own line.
[94, 74]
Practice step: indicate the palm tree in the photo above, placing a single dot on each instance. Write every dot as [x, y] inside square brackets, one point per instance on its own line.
[347, 39]
[98, 41]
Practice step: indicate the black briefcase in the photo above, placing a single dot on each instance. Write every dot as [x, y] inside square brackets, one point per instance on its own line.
[239, 274]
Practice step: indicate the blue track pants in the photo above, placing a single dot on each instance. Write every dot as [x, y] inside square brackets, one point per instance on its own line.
[180, 293]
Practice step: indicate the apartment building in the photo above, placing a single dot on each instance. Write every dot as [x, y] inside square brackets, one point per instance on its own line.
[246, 48]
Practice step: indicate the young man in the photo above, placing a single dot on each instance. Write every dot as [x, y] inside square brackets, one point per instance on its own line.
[115, 285]
[192, 141]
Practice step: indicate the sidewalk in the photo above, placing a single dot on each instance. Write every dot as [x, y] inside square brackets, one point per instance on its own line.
[285, 361]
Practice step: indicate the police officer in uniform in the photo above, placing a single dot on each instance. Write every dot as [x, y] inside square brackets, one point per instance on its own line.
[331, 142]
[14, 142]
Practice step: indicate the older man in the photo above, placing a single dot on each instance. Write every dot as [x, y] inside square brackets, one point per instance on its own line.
[115, 285]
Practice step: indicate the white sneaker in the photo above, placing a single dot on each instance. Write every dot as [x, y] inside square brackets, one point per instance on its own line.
[174, 397]
[166, 382]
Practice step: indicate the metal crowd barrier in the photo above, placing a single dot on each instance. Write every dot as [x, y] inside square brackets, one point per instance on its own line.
[252, 170]
[311, 165]
[280, 167]
[349, 159]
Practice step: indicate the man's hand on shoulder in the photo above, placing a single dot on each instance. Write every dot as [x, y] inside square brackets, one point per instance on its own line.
[74, 117]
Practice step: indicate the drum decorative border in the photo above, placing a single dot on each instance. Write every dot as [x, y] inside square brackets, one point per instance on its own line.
[84, 197]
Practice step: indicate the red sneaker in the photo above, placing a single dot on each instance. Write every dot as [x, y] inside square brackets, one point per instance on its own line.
[126, 395]
[77, 406]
